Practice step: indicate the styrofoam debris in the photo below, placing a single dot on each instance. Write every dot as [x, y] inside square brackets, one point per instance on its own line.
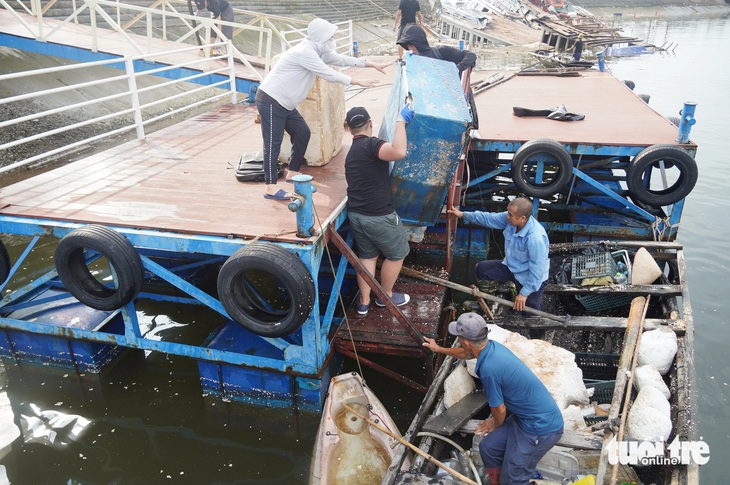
[457, 385]
[649, 417]
[658, 348]
[649, 376]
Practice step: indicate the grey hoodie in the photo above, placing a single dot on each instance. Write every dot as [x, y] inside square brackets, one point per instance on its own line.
[292, 77]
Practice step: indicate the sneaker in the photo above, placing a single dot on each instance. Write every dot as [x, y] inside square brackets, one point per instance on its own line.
[362, 309]
[399, 299]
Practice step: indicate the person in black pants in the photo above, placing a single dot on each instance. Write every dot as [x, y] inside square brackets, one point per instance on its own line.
[220, 9]
[409, 12]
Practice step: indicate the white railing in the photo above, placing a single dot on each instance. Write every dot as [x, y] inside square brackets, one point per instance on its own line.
[253, 32]
[140, 111]
[343, 37]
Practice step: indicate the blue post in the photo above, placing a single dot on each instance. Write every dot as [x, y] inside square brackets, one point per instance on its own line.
[302, 204]
[252, 93]
[461, 45]
[354, 48]
[686, 120]
[601, 62]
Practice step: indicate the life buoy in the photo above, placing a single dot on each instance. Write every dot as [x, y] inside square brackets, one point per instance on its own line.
[4, 263]
[266, 289]
[556, 162]
[683, 175]
[121, 257]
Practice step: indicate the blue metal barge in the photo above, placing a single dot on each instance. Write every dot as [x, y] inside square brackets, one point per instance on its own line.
[161, 219]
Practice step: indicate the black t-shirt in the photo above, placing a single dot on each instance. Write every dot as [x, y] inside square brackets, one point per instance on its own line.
[408, 9]
[368, 178]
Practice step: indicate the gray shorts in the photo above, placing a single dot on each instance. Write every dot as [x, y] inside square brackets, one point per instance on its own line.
[379, 234]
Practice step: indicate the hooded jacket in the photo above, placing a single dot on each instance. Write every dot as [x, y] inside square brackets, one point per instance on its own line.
[292, 77]
[415, 35]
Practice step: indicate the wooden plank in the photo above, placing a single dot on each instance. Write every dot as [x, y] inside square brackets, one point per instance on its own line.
[454, 417]
[604, 324]
[638, 290]
[571, 439]
[633, 331]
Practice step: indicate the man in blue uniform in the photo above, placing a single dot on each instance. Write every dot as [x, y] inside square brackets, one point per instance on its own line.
[526, 249]
[513, 445]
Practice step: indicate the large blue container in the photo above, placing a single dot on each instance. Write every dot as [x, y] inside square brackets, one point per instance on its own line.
[436, 136]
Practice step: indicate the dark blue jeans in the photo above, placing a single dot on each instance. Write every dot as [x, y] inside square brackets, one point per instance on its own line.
[275, 120]
[495, 270]
[515, 451]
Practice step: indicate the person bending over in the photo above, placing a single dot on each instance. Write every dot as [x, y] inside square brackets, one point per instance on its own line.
[513, 445]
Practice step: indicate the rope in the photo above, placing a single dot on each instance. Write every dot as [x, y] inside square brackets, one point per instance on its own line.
[660, 226]
[339, 295]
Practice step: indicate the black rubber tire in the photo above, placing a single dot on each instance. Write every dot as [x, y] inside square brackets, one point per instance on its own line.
[644, 97]
[674, 157]
[630, 84]
[4, 263]
[674, 120]
[274, 268]
[553, 155]
[121, 256]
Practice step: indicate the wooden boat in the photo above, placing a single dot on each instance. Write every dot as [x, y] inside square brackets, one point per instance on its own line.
[603, 336]
[349, 450]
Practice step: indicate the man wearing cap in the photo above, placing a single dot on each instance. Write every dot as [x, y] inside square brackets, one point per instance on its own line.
[287, 85]
[526, 249]
[513, 445]
[375, 225]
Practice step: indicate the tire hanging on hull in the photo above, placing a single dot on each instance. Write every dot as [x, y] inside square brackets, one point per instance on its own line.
[557, 166]
[266, 289]
[4, 263]
[653, 158]
[123, 259]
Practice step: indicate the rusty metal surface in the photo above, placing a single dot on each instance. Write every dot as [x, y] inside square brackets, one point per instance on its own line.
[614, 115]
[180, 179]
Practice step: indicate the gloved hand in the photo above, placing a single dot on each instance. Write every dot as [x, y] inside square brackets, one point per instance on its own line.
[406, 113]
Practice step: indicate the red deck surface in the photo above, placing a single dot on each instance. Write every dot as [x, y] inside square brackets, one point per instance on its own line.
[614, 115]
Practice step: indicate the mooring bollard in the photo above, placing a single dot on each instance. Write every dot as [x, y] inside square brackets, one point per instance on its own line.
[601, 62]
[686, 120]
[301, 203]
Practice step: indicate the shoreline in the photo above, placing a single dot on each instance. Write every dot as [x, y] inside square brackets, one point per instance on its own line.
[659, 11]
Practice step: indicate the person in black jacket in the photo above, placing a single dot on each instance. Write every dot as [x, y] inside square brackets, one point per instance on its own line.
[221, 9]
[413, 39]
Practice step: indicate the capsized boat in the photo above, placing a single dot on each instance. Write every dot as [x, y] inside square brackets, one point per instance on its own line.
[349, 450]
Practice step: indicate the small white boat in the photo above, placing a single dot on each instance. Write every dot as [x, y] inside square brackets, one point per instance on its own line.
[349, 450]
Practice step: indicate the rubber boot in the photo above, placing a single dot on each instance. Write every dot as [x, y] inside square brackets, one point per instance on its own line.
[493, 474]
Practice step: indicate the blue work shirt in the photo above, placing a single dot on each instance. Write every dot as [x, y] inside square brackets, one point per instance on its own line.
[507, 380]
[525, 252]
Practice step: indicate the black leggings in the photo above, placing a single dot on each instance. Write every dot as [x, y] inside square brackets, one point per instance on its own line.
[275, 120]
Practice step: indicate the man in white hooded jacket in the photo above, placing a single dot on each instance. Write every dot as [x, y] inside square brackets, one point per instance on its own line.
[287, 85]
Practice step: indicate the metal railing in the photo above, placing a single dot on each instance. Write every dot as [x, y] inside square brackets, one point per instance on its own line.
[144, 103]
[253, 32]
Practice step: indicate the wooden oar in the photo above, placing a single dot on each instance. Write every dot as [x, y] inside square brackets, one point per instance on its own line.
[414, 448]
[473, 291]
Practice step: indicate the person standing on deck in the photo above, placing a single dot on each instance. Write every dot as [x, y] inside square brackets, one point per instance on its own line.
[409, 12]
[578, 48]
[526, 249]
[414, 40]
[513, 445]
[220, 9]
[287, 85]
[375, 224]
